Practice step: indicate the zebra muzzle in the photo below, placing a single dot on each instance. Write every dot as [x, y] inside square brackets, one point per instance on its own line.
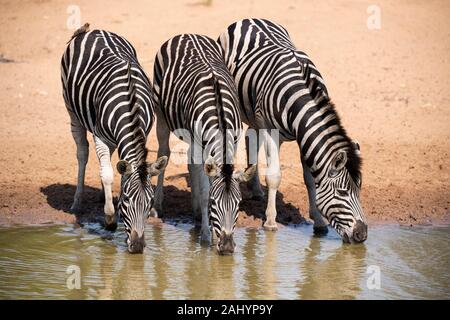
[360, 232]
[357, 235]
[226, 243]
[136, 243]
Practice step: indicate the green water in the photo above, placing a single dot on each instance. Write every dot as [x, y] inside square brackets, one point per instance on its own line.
[413, 263]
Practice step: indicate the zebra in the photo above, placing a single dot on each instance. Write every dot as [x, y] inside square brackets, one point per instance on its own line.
[107, 92]
[196, 100]
[280, 88]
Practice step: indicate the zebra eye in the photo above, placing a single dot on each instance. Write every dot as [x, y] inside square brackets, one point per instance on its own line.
[342, 192]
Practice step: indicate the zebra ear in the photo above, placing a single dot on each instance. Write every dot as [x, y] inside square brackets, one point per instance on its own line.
[124, 167]
[246, 175]
[211, 167]
[155, 168]
[339, 162]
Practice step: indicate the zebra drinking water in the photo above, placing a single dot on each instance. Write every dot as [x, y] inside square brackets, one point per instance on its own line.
[280, 88]
[107, 92]
[197, 100]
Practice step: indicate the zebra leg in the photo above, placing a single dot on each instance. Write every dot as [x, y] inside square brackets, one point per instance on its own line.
[107, 176]
[320, 224]
[203, 201]
[79, 135]
[199, 194]
[195, 187]
[273, 179]
[252, 145]
[163, 134]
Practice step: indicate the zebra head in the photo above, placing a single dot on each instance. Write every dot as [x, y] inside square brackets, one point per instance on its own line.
[337, 195]
[136, 199]
[224, 199]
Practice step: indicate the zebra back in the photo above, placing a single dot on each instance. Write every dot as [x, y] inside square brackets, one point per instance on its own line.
[196, 93]
[279, 87]
[272, 77]
[107, 89]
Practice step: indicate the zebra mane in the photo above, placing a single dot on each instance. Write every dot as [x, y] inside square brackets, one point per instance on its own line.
[354, 161]
[227, 167]
[319, 94]
[142, 168]
[132, 85]
[227, 172]
[221, 113]
[221, 119]
[316, 88]
[139, 136]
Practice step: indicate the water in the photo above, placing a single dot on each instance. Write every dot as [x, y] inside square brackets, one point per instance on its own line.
[289, 264]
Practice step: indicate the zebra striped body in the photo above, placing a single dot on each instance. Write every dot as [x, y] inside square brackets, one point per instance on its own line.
[280, 88]
[107, 93]
[197, 100]
[96, 89]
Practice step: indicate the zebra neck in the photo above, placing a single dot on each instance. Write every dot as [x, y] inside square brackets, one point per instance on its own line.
[320, 137]
[319, 163]
[133, 150]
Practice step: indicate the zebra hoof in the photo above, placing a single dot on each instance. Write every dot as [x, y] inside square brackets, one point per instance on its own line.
[270, 226]
[110, 223]
[320, 230]
[205, 236]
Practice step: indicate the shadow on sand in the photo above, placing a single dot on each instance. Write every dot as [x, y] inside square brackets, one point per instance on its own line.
[177, 204]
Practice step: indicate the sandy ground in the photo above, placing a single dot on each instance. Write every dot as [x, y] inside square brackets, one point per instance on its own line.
[391, 87]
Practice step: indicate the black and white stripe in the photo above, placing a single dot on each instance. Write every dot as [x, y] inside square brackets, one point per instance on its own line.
[107, 92]
[197, 100]
[280, 88]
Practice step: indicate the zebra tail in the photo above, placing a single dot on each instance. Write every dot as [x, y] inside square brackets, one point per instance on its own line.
[83, 29]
